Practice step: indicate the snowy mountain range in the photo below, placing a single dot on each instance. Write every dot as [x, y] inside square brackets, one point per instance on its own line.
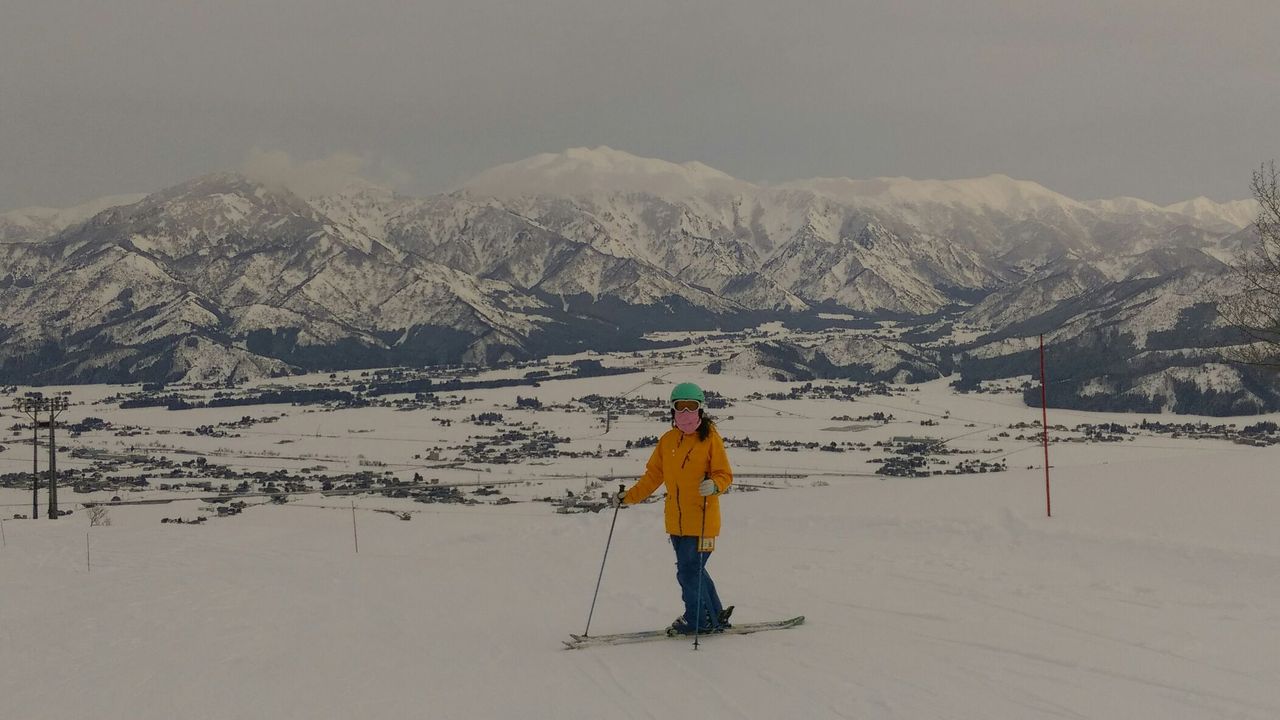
[226, 277]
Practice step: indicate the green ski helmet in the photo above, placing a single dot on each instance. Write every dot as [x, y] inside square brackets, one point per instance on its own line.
[688, 391]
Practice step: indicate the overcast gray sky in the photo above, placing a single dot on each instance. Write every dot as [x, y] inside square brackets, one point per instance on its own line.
[1160, 99]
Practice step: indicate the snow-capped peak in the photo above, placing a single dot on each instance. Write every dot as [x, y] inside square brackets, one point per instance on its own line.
[1124, 205]
[993, 192]
[585, 171]
[1237, 213]
[77, 213]
[38, 222]
[221, 192]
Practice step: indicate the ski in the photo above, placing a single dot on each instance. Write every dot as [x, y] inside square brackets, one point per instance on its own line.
[582, 641]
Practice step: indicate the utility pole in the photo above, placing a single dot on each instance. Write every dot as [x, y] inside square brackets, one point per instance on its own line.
[1044, 425]
[31, 406]
[55, 406]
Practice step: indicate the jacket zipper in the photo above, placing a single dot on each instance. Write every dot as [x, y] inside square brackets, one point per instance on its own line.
[679, 509]
[679, 513]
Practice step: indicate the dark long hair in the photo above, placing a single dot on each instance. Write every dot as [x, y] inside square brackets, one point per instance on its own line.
[704, 427]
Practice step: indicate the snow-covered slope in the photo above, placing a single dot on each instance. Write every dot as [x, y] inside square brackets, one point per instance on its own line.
[1150, 593]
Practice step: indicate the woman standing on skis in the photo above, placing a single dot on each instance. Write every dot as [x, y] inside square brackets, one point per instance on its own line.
[690, 461]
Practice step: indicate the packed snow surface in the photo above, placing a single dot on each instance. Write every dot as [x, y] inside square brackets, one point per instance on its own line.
[1152, 592]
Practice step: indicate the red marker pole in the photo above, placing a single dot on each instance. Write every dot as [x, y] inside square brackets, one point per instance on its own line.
[1044, 425]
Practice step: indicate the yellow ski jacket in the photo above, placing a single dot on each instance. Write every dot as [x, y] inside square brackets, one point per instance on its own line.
[681, 462]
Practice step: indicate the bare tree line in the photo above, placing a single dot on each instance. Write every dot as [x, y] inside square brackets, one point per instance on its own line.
[1255, 310]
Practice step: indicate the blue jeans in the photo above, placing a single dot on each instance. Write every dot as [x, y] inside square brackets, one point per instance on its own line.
[689, 563]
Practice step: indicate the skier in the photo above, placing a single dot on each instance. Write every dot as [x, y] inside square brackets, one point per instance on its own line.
[691, 462]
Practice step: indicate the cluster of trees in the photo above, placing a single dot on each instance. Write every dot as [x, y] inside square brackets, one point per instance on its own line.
[1262, 428]
[301, 396]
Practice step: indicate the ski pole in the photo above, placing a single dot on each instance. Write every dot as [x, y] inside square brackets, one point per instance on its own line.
[702, 570]
[616, 508]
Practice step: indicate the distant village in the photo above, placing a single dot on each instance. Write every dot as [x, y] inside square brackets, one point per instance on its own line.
[504, 435]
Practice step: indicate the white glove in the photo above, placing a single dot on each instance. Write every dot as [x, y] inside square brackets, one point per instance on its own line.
[617, 499]
[707, 487]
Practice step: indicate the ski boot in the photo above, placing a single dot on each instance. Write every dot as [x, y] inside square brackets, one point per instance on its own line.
[722, 620]
[679, 627]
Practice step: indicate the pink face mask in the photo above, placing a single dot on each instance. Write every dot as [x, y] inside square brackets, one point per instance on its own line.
[688, 421]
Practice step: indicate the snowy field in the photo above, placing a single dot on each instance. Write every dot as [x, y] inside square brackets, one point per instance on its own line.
[1153, 591]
